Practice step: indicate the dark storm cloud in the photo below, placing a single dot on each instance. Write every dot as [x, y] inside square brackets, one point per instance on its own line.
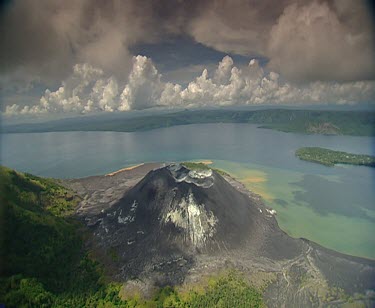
[179, 52]
[47, 37]
[303, 39]
[90, 55]
[308, 40]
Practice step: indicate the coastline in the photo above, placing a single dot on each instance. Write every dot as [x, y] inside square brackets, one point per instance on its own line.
[124, 169]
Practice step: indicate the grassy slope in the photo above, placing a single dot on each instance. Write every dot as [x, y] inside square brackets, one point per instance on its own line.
[44, 263]
[302, 121]
[330, 158]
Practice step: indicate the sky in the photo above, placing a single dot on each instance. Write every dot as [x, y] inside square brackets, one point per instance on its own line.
[90, 56]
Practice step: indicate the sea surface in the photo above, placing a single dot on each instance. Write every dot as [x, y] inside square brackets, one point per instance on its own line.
[333, 206]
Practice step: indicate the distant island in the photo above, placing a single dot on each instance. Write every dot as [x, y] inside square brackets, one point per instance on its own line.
[356, 123]
[330, 158]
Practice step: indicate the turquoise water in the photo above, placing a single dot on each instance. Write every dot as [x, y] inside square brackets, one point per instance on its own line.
[332, 206]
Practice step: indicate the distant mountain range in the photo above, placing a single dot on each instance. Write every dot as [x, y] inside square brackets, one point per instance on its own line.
[356, 123]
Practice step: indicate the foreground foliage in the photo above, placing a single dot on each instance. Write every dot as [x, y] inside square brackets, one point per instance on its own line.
[228, 290]
[41, 249]
[43, 263]
[330, 158]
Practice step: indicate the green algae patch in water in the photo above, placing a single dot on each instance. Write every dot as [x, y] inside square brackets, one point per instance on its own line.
[338, 225]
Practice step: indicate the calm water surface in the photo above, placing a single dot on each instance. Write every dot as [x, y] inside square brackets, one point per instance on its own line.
[332, 206]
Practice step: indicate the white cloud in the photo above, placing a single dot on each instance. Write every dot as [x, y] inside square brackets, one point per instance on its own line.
[144, 87]
[252, 85]
[171, 95]
[222, 73]
[88, 89]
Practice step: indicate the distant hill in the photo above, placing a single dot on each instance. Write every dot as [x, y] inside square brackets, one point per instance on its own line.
[360, 123]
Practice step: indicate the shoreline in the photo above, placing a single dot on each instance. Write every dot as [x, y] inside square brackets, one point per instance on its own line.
[205, 162]
[124, 169]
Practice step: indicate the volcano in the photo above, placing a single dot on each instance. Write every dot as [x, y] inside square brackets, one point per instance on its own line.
[191, 210]
[177, 222]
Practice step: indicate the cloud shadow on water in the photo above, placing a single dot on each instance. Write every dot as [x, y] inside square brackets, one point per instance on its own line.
[334, 198]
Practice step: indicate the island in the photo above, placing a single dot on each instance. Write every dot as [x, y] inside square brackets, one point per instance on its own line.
[330, 158]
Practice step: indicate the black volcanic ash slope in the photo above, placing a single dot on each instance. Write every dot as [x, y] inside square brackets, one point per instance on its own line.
[174, 213]
[178, 224]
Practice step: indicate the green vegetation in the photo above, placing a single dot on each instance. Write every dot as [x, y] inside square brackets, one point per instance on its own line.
[360, 123]
[229, 290]
[43, 262]
[202, 166]
[195, 166]
[330, 158]
[226, 290]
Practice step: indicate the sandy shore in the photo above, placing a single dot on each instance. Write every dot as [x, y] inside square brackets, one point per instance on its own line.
[206, 162]
[124, 169]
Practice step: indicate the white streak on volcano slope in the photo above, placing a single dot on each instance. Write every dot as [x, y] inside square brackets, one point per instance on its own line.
[197, 223]
[131, 217]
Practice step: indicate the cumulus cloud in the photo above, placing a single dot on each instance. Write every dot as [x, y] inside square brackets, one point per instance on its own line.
[144, 87]
[223, 72]
[85, 90]
[89, 89]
